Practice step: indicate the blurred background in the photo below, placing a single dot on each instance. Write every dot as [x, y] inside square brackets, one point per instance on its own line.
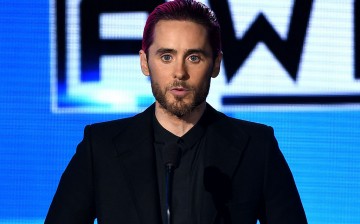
[291, 64]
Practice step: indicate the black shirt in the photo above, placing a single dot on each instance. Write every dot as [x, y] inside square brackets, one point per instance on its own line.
[187, 182]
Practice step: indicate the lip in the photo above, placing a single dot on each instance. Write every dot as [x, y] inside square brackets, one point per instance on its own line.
[179, 91]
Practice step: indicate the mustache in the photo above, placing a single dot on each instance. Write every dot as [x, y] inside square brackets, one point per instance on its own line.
[179, 84]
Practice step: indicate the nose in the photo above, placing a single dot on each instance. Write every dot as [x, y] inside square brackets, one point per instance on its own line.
[180, 71]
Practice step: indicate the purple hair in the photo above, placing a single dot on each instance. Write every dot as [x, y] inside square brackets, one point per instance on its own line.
[184, 10]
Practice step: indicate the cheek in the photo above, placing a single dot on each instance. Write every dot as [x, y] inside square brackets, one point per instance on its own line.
[201, 76]
[158, 79]
[159, 70]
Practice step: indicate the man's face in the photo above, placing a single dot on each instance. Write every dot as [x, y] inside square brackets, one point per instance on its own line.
[180, 65]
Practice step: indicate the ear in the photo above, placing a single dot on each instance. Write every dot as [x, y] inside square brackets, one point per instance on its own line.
[217, 64]
[143, 63]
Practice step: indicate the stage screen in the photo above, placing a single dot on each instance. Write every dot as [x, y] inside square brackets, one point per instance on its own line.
[290, 64]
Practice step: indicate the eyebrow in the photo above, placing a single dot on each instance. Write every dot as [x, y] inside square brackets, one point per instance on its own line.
[188, 52]
[165, 50]
[197, 51]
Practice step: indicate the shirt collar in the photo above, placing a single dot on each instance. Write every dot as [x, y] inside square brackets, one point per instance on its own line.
[162, 136]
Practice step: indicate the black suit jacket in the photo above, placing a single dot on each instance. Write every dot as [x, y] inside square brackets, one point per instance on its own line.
[112, 176]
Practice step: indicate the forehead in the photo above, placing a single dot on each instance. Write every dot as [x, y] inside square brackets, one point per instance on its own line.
[180, 35]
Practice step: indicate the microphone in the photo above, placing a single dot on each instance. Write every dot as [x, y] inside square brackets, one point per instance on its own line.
[171, 156]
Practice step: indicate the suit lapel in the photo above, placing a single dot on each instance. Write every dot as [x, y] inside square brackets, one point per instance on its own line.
[224, 147]
[136, 152]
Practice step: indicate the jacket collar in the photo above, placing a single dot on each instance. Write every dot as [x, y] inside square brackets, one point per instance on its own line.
[224, 149]
[134, 148]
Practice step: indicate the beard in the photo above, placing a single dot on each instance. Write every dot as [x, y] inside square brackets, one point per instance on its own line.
[180, 107]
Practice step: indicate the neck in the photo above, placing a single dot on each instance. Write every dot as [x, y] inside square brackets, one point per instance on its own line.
[178, 125]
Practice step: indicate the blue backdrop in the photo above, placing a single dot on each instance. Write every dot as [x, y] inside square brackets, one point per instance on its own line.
[37, 139]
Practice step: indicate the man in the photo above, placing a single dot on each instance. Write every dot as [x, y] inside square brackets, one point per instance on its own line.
[229, 171]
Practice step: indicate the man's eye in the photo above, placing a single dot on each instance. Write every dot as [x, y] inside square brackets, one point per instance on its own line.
[194, 58]
[166, 57]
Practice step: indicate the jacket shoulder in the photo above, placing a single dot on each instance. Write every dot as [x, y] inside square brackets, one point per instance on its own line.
[109, 129]
[249, 127]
